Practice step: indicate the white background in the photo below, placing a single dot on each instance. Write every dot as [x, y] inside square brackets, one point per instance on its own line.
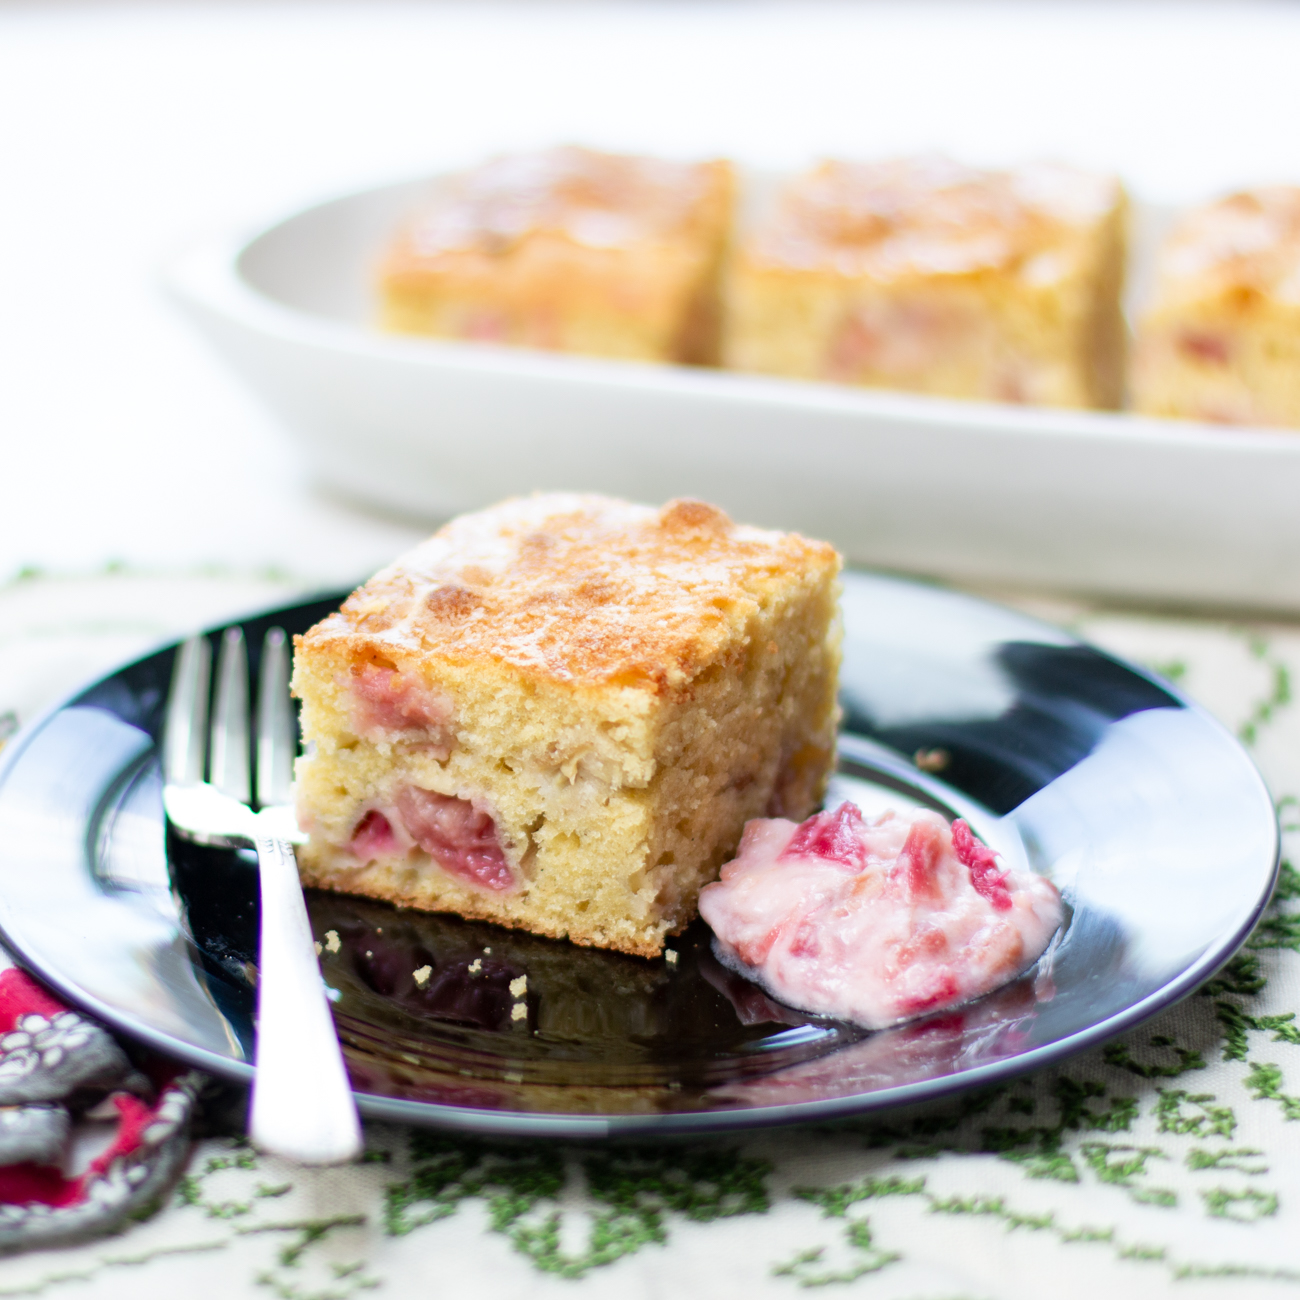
[128, 131]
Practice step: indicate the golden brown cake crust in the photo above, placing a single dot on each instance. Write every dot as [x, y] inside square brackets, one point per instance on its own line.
[927, 216]
[568, 250]
[926, 276]
[577, 589]
[1245, 244]
[580, 195]
[1220, 338]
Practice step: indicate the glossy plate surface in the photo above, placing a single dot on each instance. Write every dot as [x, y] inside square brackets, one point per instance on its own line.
[1147, 814]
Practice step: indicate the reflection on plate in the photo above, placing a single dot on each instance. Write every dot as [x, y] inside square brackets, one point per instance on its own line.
[1147, 814]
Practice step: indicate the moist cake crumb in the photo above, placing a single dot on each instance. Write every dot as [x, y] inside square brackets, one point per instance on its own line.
[571, 250]
[1220, 340]
[925, 275]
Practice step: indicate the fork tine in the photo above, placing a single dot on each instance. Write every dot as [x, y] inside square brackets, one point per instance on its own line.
[277, 739]
[228, 754]
[185, 737]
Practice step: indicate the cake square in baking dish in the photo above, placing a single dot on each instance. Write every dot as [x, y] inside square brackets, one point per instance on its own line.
[928, 276]
[1220, 340]
[559, 713]
[571, 250]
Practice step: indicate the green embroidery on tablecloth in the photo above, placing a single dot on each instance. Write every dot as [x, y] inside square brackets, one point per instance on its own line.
[1183, 1272]
[1077, 1114]
[281, 1279]
[1118, 1055]
[1120, 1165]
[107, 1265]
[1235, 1023]
[1245, 1206]
[1288, 878]
[1173, 670]
[632, 1192]
[1242, 975]
[1087, 1234]
[1281, 930]
[351, 1276]
[921, 1136]
[1265, 1082]
[835, 1201]
[1205, 1121]
[870, 1260]
[1279, 696]
[1145, 1253]
[1045, 1158]
[968, 1205]
[807, 1266]
[189, 1189]
[310, 1232]
[1054, 1164]
[1230, 1159]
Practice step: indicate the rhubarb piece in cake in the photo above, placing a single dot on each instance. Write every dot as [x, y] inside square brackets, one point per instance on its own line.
[1220, 340]
[571, 250]
[876, 921]
[928, 276]
[559, 713]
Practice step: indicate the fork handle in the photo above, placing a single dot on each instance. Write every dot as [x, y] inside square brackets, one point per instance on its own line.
[302, 1101]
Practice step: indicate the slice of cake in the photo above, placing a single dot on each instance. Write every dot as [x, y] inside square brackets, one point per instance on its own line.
[571, 250]
[558, 714]
[936, 278]
[1220, 340]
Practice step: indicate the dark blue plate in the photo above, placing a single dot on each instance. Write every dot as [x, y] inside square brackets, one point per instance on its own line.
[1147, 814]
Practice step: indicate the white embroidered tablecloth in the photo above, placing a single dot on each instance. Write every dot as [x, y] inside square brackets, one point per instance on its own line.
[1166, 1164]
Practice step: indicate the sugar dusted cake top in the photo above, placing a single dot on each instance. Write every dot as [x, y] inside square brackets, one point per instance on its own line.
[1246, 243]
[598, 199]
[583, 589]
[928, 216]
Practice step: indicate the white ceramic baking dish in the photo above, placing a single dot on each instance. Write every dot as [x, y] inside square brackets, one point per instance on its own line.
[1080, 501]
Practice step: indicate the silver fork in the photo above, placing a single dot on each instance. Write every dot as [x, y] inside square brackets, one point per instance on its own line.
[302, 1104]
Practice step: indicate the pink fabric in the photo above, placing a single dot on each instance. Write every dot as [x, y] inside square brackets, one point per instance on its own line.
[20, 995]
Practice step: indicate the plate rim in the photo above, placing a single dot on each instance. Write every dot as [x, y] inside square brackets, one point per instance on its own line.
[526, 1124]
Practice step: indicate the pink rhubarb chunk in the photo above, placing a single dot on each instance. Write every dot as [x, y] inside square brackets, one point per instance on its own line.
[373, 837]
[459, 837]
[385, 701]
[875, 921]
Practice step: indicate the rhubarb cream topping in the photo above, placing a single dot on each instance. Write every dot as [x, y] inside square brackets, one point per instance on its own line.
[875, 921]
